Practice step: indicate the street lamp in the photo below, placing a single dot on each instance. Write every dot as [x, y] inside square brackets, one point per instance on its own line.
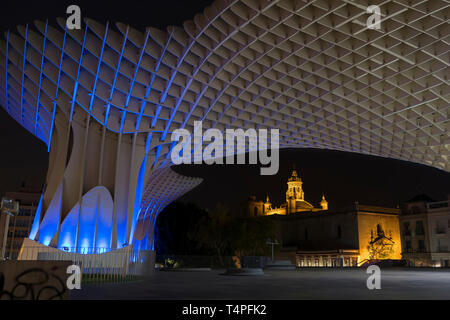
[272, 243]
[9, 207]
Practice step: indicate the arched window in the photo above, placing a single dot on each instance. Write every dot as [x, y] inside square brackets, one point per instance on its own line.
[255, 211]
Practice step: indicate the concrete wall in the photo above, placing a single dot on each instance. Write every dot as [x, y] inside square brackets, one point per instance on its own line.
[115, 261]
[312, 231]
[33, 280]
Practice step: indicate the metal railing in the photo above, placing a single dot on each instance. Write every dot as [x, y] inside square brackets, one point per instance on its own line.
[97, 265]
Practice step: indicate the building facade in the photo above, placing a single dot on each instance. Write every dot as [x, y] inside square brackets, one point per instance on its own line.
[425, 230]
[350, 237]
[295, 201]
[21, 223]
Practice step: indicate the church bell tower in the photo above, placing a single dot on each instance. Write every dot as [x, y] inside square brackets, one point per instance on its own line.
[294, 191]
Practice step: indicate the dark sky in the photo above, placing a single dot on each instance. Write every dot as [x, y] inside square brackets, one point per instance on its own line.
[23, 157]
[343, 177]
[139, 14]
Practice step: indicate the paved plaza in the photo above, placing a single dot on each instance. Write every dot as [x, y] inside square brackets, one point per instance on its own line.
[275, 284]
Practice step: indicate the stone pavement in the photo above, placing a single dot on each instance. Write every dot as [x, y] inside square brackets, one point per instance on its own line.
[275, 284]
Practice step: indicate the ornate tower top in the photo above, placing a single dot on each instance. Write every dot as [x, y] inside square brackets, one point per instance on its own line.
[324, 203]
[294, 175]
[295, 190]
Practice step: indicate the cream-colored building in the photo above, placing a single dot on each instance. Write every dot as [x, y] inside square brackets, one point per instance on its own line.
[295, 201]
[425, 230]
[318, 237]
[349, 237]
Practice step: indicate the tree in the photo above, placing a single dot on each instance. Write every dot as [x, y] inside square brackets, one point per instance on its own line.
[251, 235]
[215, 231]
[173, 226]
[227, 234]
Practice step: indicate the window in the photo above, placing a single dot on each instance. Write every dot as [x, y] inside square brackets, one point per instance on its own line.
[24, 212]
[440, 229]
[255, 211]
[421, 246]
[442, 245]
[408, 247]
[415, 210]
[420, 231]
[406, 230]
[347, 262]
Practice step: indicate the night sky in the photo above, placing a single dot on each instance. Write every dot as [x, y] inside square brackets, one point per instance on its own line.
[343, 177]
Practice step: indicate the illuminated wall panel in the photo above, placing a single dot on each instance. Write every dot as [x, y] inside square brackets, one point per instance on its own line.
[50, 221]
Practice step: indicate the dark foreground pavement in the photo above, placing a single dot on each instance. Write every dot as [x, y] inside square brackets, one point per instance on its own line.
[284, 285]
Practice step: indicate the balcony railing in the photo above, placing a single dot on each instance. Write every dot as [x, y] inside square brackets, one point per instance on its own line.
[419, 250]
[438, 205]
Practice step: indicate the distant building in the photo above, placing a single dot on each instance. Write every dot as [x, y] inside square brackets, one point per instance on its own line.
[425, 230]
[20, 224]
[295, 201]
[346, 238]
[317, 237]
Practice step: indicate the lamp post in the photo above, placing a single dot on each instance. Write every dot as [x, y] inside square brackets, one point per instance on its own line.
[272, 243]
[9, 208]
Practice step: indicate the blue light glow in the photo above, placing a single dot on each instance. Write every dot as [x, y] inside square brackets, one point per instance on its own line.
[50, 222]
[37, 218]
[96, 204]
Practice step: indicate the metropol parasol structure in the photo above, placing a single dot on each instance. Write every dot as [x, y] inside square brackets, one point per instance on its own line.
[106, 98]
